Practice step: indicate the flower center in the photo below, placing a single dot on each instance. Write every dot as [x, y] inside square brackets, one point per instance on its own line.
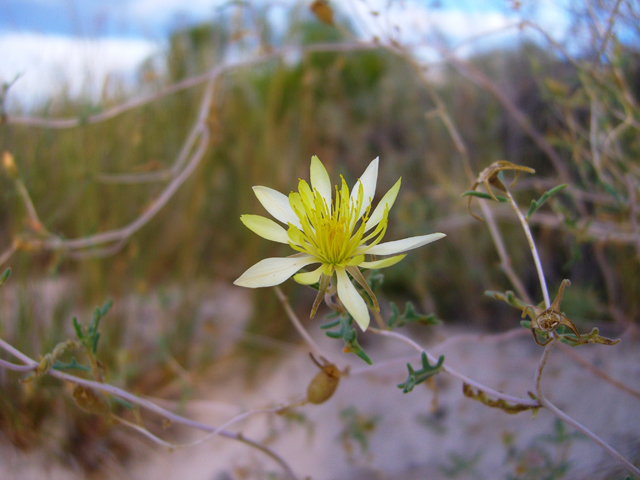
[327, 231]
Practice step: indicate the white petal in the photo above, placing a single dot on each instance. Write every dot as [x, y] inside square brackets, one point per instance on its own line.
[388, 200]
[320, 180]
[276, 204]
[273, 271]
[265, 227]
[309, 278]
[352, 300]
[384, 263]
[397, 246]
[368, 179]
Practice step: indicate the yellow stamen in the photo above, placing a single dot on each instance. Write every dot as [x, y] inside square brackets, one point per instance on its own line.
[331, 233]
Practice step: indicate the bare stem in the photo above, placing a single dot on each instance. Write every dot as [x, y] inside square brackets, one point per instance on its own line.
[569, 420]
[596, 371]
[455, 373]
[456, 137]
[378, 318]
[296, 322]
[110, 389]
[8, 253]
[541, 400]
[588, 433]
[542, 362]
[64, 123]
[534, 250]
[505, 259]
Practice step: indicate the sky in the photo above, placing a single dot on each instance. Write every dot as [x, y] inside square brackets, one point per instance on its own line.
[79, 43]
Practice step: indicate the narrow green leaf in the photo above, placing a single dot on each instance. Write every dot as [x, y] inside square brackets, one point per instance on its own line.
[72, 365]
[419, 376]
[611, 191]
[94, 345]
[78, 328]
[122, 402]
[348, 335]
[330, 325]
[485, 196]
[106, 307]
[375, 280]
[410, 316]
[5, 276]
[536, 204]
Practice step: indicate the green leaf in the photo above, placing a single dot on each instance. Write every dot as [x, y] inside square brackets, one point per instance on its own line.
[106, 307]
[72, 365]
[485, 196]
[375, 280]
[120, 401]
[94, 344]
[507, 297]
[78, 329]
[410, 316]
[417, 377]
[348, 335]
[536, 204]
[611, 191]
[5, 276]
[330, 324]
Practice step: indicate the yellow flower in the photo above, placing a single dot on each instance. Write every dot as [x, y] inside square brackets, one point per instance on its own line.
[337, 234]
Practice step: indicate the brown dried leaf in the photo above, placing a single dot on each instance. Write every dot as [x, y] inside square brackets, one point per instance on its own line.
[90, 400]
[323, 11]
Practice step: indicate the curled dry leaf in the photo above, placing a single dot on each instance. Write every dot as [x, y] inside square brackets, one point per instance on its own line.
[489, 177]
[551, 318]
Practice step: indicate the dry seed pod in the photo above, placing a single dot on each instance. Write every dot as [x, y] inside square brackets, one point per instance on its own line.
[324, 384]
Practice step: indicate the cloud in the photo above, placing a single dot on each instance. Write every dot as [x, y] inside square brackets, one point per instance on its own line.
[46, 63]
[414, 20]
[154, 12]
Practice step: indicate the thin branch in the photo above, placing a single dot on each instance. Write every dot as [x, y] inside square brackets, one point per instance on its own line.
[607, 34]
[64, 123]
[479, 78]
[596, 371]
[297, 323]
[567, 419]
[505, 259]
[456, 137]
[455, 373]
[588, 433]
[534, 250]
[17, 368]
[542, 362]
[8, 253]
[110, 389]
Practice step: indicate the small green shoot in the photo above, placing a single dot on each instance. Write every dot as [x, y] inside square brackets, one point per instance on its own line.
[536, 204]
[5, 276]
[417, 377]
[348, 334]
[410, 316]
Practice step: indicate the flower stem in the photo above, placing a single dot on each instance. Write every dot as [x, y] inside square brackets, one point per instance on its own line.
[534, 250]
[296, 322]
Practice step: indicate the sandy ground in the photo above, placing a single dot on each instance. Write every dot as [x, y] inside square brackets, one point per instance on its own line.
[408, 436]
